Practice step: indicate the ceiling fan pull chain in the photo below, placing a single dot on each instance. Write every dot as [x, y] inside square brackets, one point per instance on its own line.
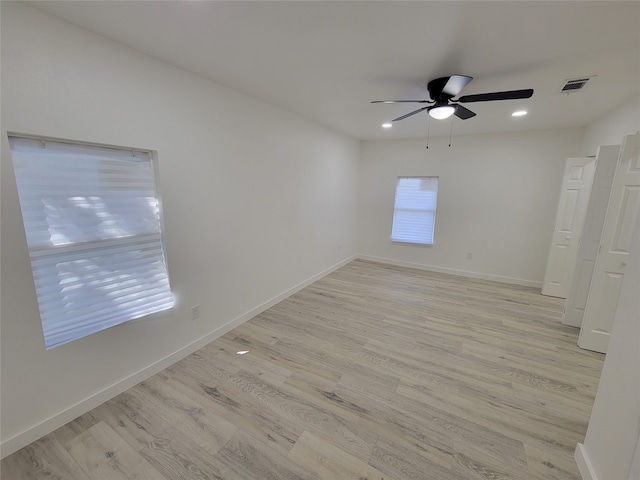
[428, 130]
[450, 130]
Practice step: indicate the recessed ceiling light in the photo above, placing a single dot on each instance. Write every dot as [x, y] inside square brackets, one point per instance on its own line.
[519, 113]
[387, 125]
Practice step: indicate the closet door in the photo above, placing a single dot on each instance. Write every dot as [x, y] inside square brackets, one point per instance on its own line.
[622, 213]
[572, 208]
[606, 161]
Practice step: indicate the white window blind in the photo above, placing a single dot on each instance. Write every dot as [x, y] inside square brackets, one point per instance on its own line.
[93, 225]
[414, 214]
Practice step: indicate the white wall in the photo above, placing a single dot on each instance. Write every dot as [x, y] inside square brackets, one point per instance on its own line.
[497, 200]
[610, 129]
[257, 202]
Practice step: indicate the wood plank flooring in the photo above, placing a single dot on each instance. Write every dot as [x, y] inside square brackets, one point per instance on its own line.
[375, 372]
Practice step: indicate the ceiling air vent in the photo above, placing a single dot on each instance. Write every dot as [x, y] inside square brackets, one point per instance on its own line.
[574, 85]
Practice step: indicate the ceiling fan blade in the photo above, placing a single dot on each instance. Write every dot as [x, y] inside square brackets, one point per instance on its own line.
[409, 114]
[488, 97]
[456, 84]
[463, 112]
[402, 101]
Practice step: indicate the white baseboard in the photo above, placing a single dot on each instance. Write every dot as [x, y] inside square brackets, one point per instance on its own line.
[584, 464]
[451, 271]
[47, 426]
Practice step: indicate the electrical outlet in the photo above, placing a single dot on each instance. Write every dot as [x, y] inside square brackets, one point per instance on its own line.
[195, 312]
[339, 247]
[469, 256]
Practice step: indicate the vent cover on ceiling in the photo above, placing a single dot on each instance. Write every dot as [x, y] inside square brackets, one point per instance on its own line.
[574, 84]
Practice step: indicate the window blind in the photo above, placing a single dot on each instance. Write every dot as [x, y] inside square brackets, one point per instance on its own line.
[414, 214]
[93, 225]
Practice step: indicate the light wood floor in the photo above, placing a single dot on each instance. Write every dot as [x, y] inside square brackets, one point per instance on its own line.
[374, 372]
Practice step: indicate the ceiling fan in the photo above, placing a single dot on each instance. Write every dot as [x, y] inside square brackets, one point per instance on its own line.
[442, 90]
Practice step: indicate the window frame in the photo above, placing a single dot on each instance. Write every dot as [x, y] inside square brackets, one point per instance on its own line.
[127, 242]
[431, 210]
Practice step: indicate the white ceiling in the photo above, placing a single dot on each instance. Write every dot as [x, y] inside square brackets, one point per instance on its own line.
[327, 60]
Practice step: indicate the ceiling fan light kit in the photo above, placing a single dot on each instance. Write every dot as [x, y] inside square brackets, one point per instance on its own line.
[442, 105]
[441, 112]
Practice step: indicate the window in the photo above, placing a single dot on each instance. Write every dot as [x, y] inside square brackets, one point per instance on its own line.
[93, 224]
[414, 214]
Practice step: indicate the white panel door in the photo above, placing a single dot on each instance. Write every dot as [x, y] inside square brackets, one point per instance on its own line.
[572, 208]
[622, 214]
[606, 161]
